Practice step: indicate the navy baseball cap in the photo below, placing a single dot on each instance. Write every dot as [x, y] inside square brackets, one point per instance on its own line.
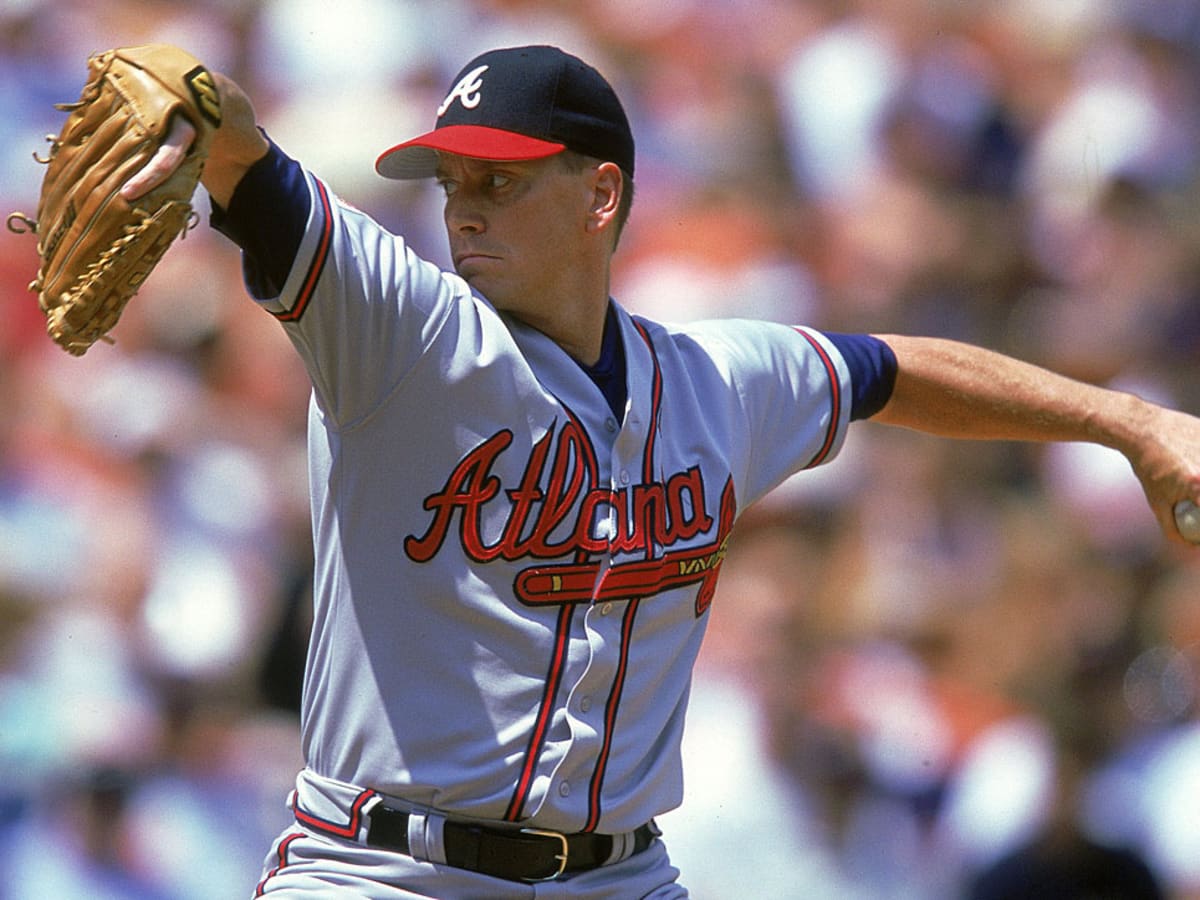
[520, 103]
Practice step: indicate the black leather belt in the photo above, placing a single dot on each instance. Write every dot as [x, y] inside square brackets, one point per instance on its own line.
[525, 854]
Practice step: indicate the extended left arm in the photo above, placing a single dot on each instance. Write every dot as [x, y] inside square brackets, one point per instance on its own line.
[958, 390]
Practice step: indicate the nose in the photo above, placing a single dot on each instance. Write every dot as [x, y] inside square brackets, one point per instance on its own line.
[462, 216]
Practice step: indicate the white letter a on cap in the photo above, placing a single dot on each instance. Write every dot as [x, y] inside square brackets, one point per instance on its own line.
[467, 90]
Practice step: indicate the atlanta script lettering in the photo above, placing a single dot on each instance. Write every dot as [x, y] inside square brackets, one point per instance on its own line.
[553, 512]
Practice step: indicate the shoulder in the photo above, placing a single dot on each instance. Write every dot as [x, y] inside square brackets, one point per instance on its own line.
[740, 342]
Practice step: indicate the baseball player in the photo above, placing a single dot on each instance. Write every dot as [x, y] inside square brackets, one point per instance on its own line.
[522, 494]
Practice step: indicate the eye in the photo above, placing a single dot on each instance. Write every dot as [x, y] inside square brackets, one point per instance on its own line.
[496, 181]
[448, 187]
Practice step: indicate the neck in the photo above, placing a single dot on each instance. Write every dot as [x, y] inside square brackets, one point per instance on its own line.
[570, 305]
[578, 329]
[574, 316]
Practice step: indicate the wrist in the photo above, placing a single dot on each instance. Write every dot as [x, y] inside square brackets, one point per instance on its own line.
[236, 146]
[224, 172]
[1123, 423]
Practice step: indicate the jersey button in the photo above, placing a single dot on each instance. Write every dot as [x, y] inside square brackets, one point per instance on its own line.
[606, 609]
[564, 789]
[585, 703]
[610, 424]
[624, 478]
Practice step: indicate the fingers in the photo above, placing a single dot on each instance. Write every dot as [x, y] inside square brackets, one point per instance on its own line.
[165, 161]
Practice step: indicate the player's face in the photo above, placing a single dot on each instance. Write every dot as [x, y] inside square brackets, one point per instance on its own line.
[516, 229]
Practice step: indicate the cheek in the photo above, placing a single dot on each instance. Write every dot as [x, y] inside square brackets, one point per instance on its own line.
[553, 241]
[538, 243]
[544, 231]
[560, 231]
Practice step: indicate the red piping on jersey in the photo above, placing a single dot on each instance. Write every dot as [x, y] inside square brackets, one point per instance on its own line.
[317, 265]
[614, 697]
[656, 389]
[610, 717]
[349, 830]
[553, 681]
[282, 855]
[835, 400]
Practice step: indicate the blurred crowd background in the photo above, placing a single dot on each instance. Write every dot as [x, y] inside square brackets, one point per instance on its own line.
[934, 668]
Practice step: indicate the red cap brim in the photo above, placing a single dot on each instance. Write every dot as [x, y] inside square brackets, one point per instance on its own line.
[418, 158]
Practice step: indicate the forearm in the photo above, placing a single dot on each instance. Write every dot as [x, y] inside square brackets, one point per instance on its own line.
[267, 216]
[958, 390]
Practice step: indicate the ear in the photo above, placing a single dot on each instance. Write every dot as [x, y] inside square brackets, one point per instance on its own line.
[607, 183]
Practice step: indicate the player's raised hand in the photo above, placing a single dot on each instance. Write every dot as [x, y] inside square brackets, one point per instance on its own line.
[236, 146]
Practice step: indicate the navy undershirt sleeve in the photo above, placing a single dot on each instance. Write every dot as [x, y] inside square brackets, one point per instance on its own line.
[872, 371]
[266, 217]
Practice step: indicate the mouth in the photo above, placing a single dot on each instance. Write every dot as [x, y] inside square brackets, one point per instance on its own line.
[470, 258]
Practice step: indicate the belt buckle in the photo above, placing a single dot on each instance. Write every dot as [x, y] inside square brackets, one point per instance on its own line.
[561, 857]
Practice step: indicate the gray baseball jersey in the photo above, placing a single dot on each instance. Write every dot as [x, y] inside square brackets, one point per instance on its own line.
[512, 581]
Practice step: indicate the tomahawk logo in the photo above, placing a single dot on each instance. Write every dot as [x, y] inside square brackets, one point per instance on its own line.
[467, 91]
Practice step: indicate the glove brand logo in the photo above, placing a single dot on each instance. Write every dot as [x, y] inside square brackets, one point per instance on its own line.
[467, 91]
[557, 510]
[204, 92]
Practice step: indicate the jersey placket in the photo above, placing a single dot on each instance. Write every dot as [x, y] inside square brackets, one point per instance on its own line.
[593, 691]
[609, 622]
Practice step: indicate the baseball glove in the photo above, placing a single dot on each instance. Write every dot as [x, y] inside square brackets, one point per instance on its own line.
[95, 248]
